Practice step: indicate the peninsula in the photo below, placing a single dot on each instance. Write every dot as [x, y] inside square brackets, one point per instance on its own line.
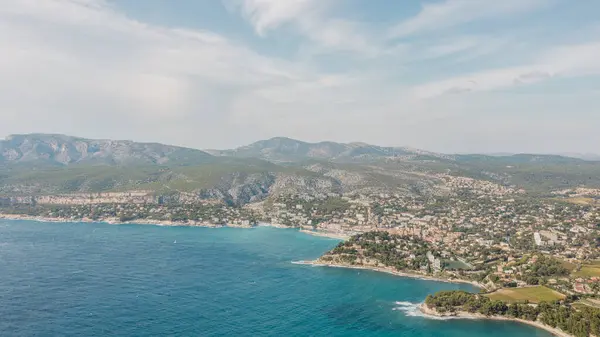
[541, 306]
[559, 317]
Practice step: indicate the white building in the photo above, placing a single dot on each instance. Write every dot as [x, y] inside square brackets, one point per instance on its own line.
[538, 239]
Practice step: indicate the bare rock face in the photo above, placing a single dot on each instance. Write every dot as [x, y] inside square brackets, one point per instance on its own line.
[311, 185]
[240, 188]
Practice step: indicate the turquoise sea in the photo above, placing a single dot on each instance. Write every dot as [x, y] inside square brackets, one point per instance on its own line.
[74, 279]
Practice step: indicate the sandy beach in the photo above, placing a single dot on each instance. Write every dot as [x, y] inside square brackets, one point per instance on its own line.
[428, 312]
[390, 271]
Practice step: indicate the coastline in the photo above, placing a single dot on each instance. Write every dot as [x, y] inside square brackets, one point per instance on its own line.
[192, 223]
[390, 271]
[114, 221]
[426, 311]
[432, 313]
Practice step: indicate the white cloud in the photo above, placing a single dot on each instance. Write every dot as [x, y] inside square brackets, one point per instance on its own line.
[311, 19]
[574, 60]
[266, 15]
[563, 61]
[442, 15]
[82, 60]
[465, 47]
[82, 67]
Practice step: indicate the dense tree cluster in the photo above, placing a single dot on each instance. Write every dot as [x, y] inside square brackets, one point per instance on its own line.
[581, 322]
[548, 266]
[396, 251]
[543, 267]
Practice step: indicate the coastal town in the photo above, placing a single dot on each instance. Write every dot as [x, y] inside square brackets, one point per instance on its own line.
[515, 247]
[322, 168]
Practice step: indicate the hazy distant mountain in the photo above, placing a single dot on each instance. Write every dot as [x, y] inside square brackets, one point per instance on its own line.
[520, 158]
[574, 155]
[584, 156]
[53, 149]
[281, 149]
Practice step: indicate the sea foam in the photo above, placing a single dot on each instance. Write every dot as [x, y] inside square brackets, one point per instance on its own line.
[412, 310]
[408, 308]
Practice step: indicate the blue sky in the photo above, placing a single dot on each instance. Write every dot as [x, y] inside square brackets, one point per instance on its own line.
[443, 75]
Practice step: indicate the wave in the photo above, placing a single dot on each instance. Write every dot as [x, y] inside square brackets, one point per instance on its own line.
[309, 263]
[412, 310]
[406, 304]
[408, 308]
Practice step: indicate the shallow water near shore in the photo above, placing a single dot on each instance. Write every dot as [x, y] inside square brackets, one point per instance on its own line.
[98, 279]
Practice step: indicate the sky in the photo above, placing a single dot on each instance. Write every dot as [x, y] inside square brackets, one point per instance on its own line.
[454, 76]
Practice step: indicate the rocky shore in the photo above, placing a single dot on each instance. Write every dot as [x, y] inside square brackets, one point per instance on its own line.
[431, 312]
[388, 270]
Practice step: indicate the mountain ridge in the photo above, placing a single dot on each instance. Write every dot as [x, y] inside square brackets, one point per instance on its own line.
[284, 149]
[48, 164]
[58, 149]
[64, 150]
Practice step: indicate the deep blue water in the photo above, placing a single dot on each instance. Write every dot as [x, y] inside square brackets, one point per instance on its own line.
[129, 280]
